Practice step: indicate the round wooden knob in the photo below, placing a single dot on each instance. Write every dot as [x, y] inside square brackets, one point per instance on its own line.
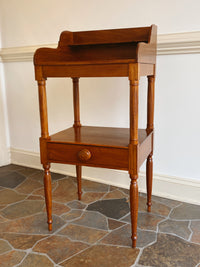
[84, 154]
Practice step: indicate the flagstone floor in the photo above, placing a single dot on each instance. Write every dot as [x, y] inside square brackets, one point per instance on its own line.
[94, 231]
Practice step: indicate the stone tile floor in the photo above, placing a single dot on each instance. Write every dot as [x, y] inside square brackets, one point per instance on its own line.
[93, 232]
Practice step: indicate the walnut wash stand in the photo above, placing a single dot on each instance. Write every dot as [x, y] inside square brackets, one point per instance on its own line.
[105, 53]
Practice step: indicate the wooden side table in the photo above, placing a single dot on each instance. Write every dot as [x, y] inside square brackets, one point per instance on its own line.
[106, 53]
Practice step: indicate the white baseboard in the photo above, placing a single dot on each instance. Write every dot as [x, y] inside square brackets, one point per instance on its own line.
[182, 189]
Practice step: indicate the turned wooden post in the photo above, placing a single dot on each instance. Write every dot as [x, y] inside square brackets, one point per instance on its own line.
[48, 194]
[133, 149]
[77, 126]
[76, 102]
[150, 127]
[44, 137]
[43, 108]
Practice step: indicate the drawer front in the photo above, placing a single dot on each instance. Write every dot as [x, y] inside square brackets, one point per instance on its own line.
[94, 156]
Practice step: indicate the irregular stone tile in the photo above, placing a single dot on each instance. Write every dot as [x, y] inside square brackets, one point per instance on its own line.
[57, 176]
[101, 255]
[2, 219]
[144, 238]
[36, 260]
[59, 248]
[10, 167]
[114, 208]
[114, 195]
[168, 202]
[21, 241]
[156, 207]
[40, 191]
[92, 219]
[11, 258]
[90, 186]
[39, 176]
[186, 211]
[124, 190]
[58, 208]
[65, 191]
[81, 233]
[170, 251]
[91, 197]
[142, 194]
[76, 205]
[27, 171]
[112, 188]
[8, 196]
[195, 226]
[28, 186]
[113, 224]
[4, 247]
[22, 209]
[35, 198]
[36, 224]
[73, 214]
[122, 237]
[179, 228]
[11, 180]
[146, 221]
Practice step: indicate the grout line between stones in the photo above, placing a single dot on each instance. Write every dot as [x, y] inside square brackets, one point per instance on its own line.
[26, 178]
[22, 259]
[69, 221]
[186, 240]
[24, 217]
[191, 234]
[12, 248]
[36, 253]
[74, 255]
[138, 257]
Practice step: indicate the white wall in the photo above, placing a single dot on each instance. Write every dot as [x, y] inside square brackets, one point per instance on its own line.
[177, 112]
[4, 132]
[177, 109]
[41, 21]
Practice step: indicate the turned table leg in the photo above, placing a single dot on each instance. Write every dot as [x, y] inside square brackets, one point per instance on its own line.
[149, 179]
[43, 152]
[78, 175]
[48, 194]
[150, 127]
[77, 128]
[134, 208]
[133, 148]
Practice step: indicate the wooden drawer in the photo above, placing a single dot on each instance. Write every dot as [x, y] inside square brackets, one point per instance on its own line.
[96, 156]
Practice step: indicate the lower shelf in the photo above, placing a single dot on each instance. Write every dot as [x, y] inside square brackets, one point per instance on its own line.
[100, 136]
[104, 147]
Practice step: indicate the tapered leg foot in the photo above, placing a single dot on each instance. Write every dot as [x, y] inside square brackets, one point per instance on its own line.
[48, 195]
[50, 225]
[78, 174]
[134, 242]
[134, 208]
[149, 178]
